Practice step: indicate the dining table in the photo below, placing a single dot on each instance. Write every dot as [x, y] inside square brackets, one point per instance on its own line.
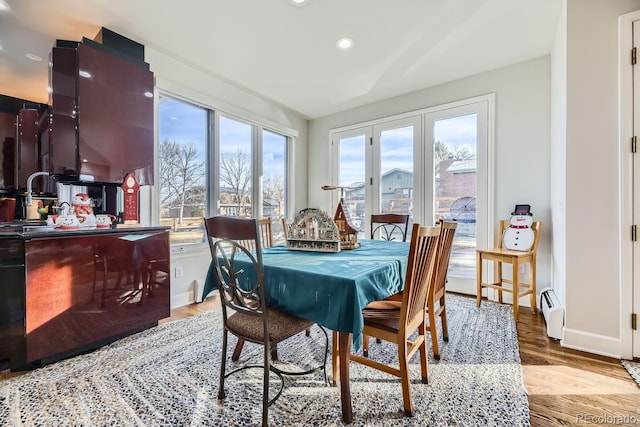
[331, 289]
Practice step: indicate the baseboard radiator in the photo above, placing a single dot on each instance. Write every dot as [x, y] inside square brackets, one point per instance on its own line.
[553, 313]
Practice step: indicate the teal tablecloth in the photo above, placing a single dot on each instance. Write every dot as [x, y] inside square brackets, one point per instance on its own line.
[331, 289]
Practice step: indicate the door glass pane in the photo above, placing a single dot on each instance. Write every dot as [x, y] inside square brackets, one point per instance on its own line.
[455, 189]
[274, 162]
[183, 138]
[396, 173]
[235, 168]
[352, 174]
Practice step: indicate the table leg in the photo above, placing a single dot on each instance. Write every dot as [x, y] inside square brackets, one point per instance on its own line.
[335, 359]
[344, 350]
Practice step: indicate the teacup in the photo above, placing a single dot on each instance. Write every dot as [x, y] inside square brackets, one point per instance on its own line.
[105, 220]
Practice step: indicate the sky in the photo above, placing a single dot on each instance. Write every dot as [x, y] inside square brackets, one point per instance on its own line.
[184, 123]
[397, 147]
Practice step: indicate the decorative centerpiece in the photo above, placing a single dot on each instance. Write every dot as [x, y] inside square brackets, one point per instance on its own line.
[313, 230]
[347, 232]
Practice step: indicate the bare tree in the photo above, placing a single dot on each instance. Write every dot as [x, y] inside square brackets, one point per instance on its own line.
[182, 170]
[441, 151]
[235, 173]
[273, 188]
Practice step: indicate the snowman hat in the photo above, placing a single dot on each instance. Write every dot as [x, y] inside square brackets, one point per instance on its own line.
[522, 210]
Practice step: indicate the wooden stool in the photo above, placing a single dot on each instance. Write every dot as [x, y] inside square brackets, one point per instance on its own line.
[502, 255]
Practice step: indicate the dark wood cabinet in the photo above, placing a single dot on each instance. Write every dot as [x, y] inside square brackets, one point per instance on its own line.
[102, 116]
[60, 296]
[8, 135]
[28, 152]
[12, 301]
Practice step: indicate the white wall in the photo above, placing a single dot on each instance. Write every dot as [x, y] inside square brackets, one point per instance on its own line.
[522, 139]
[178, 78]
[558, 190]
[592, 170]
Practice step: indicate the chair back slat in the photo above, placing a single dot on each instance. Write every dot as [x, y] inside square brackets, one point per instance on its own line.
[423, 252]
[266, 234]
[445, 244]
[388, 226]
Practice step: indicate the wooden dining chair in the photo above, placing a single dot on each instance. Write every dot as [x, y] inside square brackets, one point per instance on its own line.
[245, 311]
[396, 321]
[436, 301]
[266, 235]
[516, 258]
[389, 226]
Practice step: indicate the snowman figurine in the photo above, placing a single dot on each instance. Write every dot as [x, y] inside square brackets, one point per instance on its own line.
[519, 235]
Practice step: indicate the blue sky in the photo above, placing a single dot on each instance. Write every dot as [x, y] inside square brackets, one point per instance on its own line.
[184, 123]
[397, 147]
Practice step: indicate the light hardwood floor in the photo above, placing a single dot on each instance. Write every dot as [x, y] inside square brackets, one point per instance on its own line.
[565, 387]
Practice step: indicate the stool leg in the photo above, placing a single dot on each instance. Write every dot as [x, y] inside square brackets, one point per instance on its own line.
[499, 281]
[516, 288]
[478, 278]
[532, 274]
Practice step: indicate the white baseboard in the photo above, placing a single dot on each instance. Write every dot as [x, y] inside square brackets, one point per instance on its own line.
[182, 299]
[592, 343]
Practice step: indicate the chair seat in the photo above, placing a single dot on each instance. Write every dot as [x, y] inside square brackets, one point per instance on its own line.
[503, 252]
[281, 326]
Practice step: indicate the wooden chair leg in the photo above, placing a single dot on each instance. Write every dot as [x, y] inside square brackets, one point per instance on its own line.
[516, 289]
[236, 351]
[534, 299]
[434, 335]
[443, 320]
[365, 345]
[500, 281]
[424, 361]
[404, 378]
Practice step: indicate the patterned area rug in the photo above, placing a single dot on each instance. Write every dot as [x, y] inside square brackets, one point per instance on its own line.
[634, 370]
[168, 376]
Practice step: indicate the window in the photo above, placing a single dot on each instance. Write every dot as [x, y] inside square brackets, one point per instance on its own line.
[214, 164]
[183, 137]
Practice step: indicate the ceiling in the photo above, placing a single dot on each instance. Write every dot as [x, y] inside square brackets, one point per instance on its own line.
[288, 53]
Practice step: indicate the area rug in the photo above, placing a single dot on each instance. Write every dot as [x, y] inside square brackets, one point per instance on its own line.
[634, 370]
[168, 376]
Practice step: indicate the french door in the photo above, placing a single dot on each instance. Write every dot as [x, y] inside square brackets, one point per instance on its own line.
[430, 164]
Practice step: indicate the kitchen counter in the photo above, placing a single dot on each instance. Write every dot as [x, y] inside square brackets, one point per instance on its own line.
[65, 292]
[33, 230]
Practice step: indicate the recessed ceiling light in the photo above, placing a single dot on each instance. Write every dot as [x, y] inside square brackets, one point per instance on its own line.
[298, 2]
[33, 57]
[4, 6]
[344, 43]
[85, 74]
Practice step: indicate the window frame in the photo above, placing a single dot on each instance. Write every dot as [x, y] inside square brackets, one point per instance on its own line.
[212, 146]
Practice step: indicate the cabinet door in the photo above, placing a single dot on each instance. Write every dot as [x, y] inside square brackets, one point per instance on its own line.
[115, 117]
[28, 147]
[12, 301]
[7, 150]
[92, 290]
[62, 154]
